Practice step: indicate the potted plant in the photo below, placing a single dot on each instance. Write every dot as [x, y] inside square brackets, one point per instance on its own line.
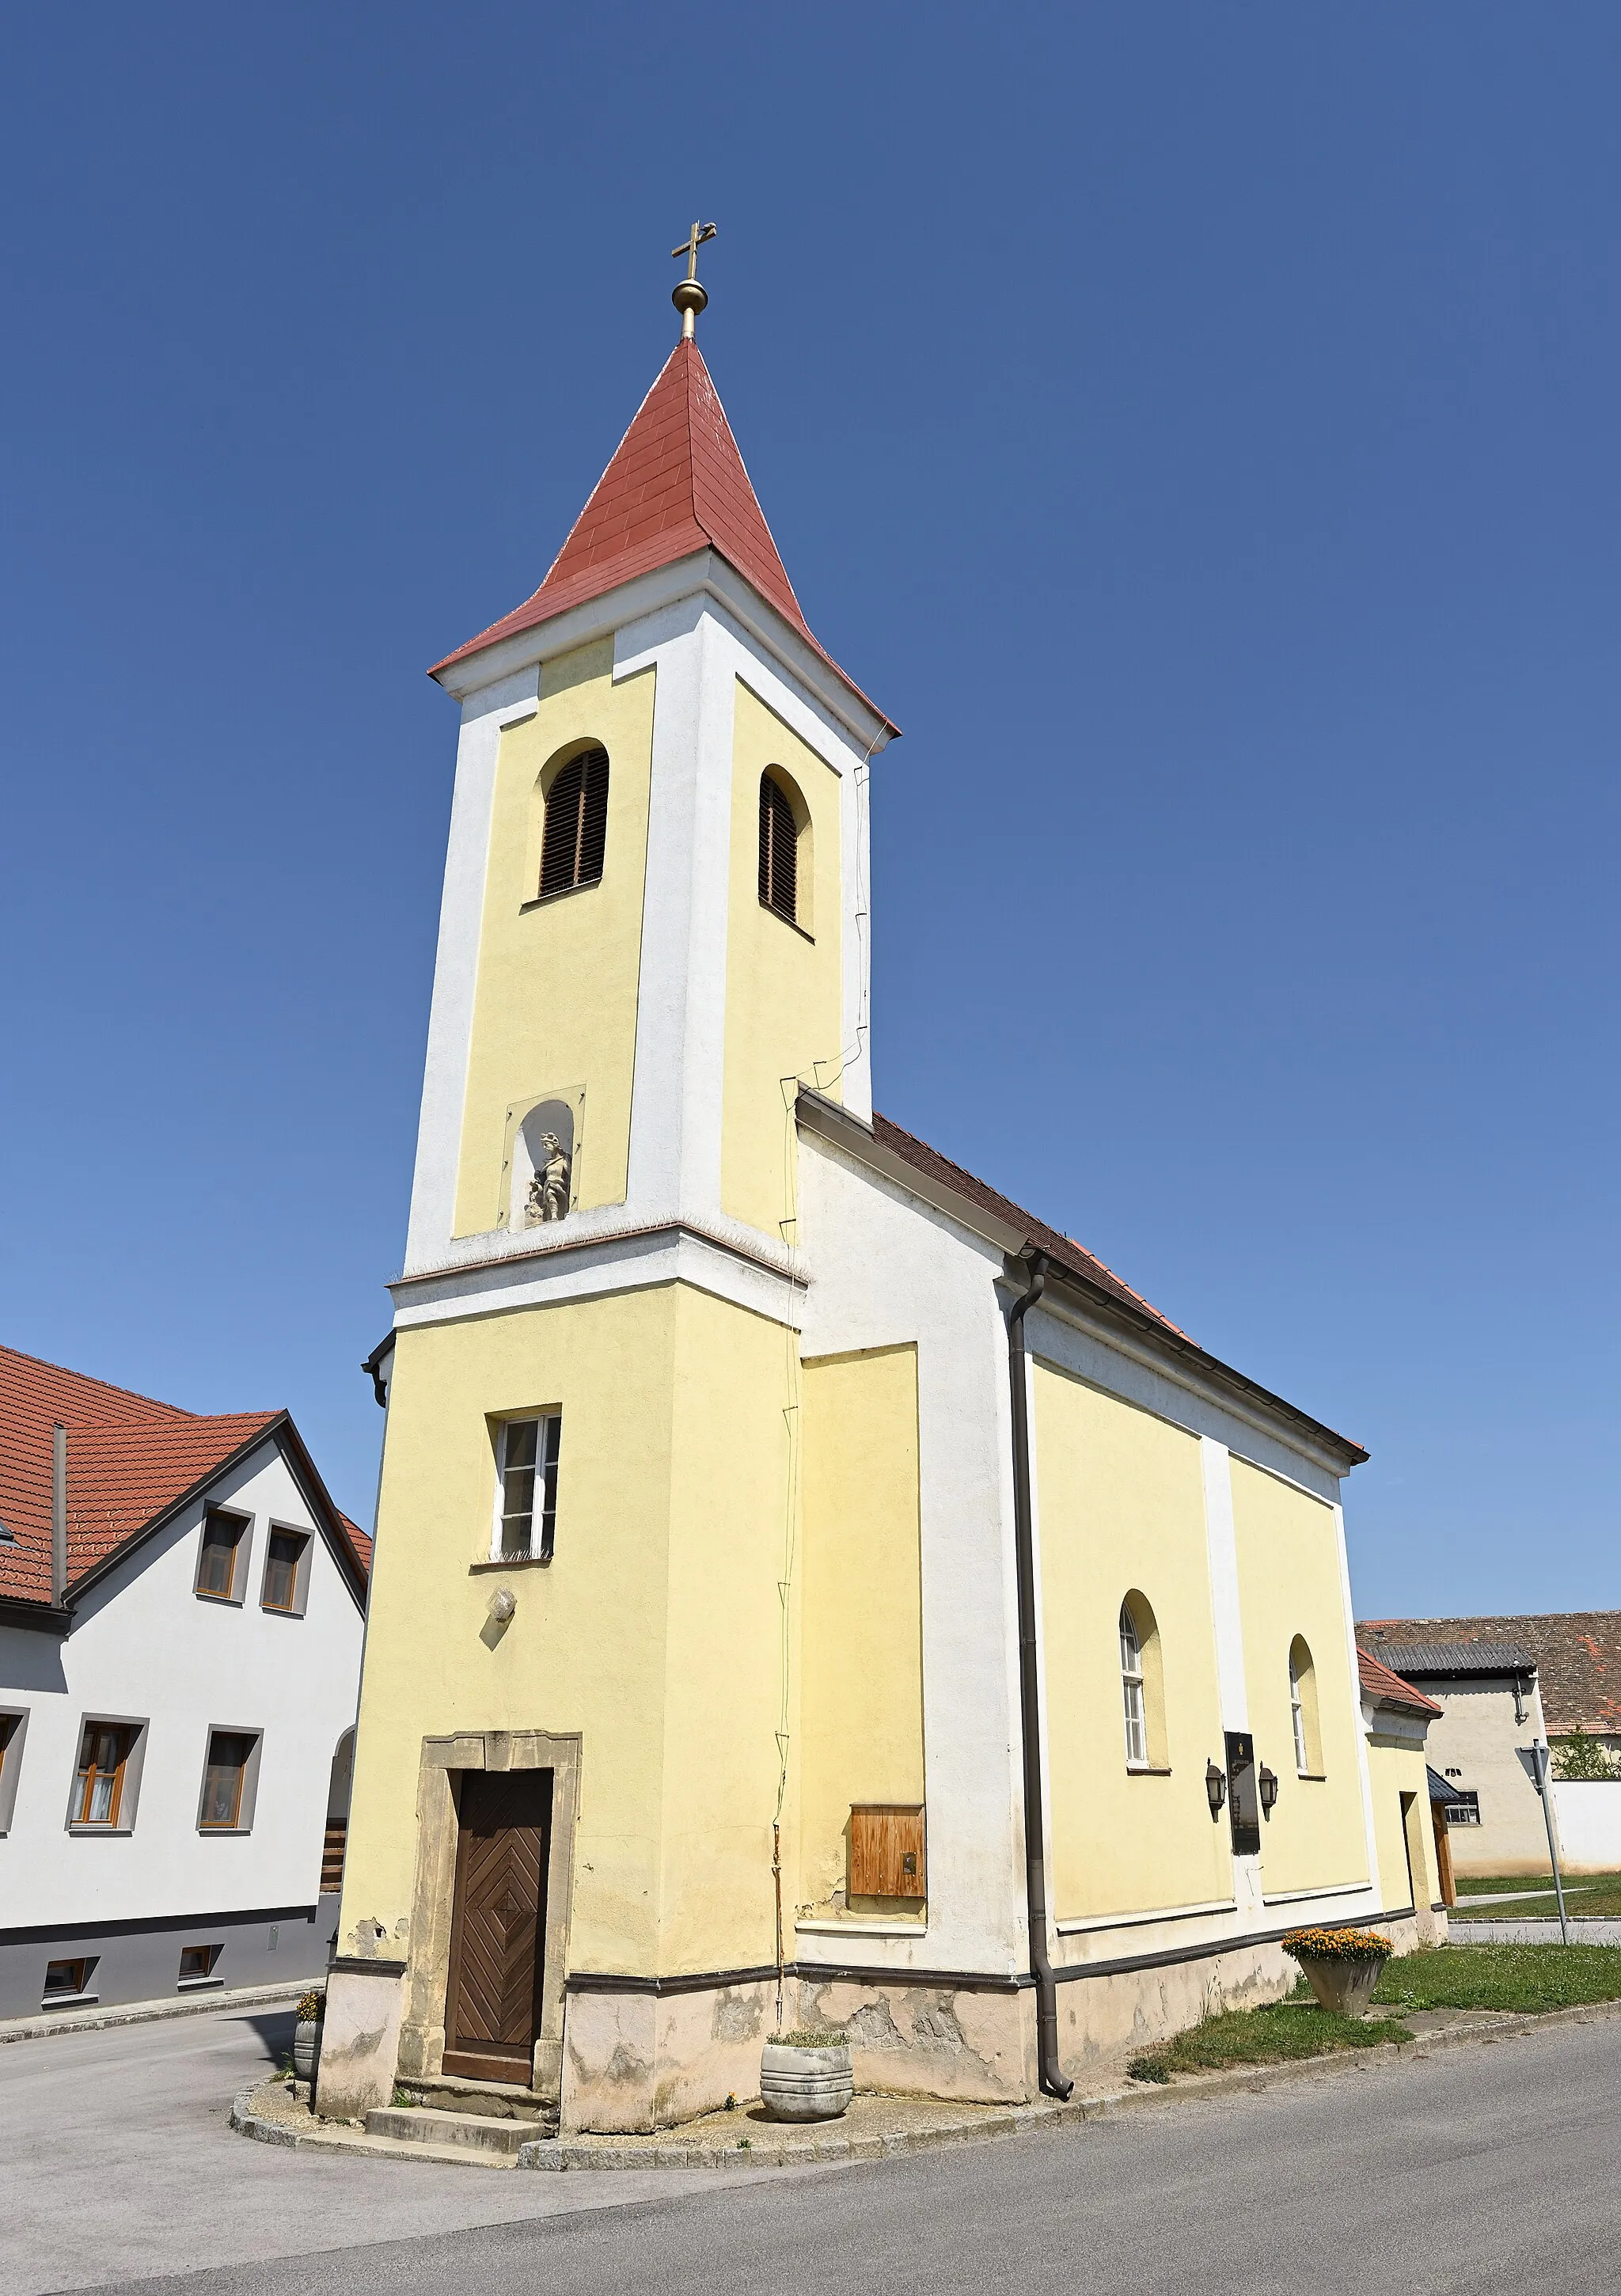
[804, 2075]
[307, 2034]
[1341, 1966]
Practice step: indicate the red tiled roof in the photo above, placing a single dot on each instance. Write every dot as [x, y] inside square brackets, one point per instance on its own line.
[676, 485]
[361, 1541]
[129, 1459]
[1388, 1689]
[1577, 1656]
[1061, 1247]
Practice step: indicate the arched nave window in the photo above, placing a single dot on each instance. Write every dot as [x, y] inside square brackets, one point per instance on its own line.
[1303, 1709]
[1142, 1685]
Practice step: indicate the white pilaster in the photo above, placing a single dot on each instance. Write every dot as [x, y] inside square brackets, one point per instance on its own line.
[681, 1006]
[455, 971]
[1371, 1838]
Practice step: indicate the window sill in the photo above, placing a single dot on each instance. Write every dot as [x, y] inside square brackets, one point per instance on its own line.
[1147, 1770]
[793, 924]
[225, 1832]
[68, 2001]
[563, 893]
[228, 1602]
[276, 1611]
[1313, 1777]
[98, 1833]
[199, 1984]
[864, 1925]
[513, 1562]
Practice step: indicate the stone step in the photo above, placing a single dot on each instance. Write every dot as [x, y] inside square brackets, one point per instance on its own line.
[471, 2132]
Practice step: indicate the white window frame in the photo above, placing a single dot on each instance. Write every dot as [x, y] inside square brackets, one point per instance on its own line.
[542, 1519]
[1297, 1712]
[1133, 1692]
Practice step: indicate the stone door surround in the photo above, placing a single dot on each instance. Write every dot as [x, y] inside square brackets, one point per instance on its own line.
[422, 2036]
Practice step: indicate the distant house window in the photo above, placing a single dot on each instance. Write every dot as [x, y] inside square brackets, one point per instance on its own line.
[1303, 1709]
[225, 1783]
[99, 1787]
[13, 1730]
[219, 1555]
[67, 1980]
[575, 840]
[528, 1521]
[779, 872]
[284, 1570]
[1131, 1683]
[1463, 1809]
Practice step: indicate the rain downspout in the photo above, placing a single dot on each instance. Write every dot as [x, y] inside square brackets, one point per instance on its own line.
[1048, 2068]
[59, 1516]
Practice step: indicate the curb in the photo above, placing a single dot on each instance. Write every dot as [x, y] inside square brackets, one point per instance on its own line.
[556, 2153]
[145, 2013]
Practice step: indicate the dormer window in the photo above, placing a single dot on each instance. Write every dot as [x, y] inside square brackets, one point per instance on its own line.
[575, 837]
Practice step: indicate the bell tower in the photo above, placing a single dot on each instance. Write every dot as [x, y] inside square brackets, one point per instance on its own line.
[639, 955]
[653, 934]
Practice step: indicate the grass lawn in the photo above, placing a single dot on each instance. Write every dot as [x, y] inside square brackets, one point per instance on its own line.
[1584, 1893]
[1526, 1978]
[1295, 2027]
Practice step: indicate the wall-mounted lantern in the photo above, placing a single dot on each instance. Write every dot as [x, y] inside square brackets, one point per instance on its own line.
[1269, 1790]
[1215, 1787]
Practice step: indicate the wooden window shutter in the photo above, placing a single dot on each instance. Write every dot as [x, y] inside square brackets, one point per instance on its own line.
[576, 835]
[778, 851]
[887, 1850]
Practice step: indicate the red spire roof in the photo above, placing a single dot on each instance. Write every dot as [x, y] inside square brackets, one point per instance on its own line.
[676, 485]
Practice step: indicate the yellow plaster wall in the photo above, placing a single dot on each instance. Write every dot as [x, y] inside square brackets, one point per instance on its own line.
[555, 1005]
[585, 1650]
[861, 1689]
[1120, 1507]
[1289, 1585]
[654, 1632]
[723, 1695]
[782, 989]
[1393, 1770]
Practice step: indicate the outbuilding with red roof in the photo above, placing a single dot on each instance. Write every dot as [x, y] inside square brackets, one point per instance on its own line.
[181, 1615]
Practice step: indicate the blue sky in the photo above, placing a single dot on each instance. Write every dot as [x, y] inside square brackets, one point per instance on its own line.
[1197, 426]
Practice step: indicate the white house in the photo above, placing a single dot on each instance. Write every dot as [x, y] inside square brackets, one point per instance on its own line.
[181, 1614]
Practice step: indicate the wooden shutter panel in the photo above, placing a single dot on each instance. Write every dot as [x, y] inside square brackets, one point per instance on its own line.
[576, 839]
[884, 1836]
[778, 851]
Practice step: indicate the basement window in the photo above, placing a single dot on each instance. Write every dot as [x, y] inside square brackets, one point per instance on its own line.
[68, 1982]
[197, 1964]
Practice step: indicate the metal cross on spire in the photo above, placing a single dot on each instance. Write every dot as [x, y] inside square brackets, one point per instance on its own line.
[688, 297]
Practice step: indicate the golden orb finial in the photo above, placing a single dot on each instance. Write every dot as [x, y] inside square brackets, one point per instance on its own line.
[688, 296]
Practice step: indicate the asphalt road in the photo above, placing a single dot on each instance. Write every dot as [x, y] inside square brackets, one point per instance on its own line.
[1487, 2168]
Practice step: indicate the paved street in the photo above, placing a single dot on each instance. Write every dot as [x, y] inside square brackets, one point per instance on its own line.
[1487, 2168]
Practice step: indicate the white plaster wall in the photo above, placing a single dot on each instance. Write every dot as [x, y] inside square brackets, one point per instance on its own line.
[1477, 1735]
[888, 1272]
[1587, 1817]
[145, 1645]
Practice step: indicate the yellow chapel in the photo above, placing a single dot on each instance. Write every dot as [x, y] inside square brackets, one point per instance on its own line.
[807, 1587]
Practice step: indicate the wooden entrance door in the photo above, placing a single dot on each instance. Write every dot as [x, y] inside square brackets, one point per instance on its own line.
[497, 1938]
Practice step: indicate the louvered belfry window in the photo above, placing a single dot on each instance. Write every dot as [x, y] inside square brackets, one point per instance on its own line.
[577, 824]
[778, 851]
